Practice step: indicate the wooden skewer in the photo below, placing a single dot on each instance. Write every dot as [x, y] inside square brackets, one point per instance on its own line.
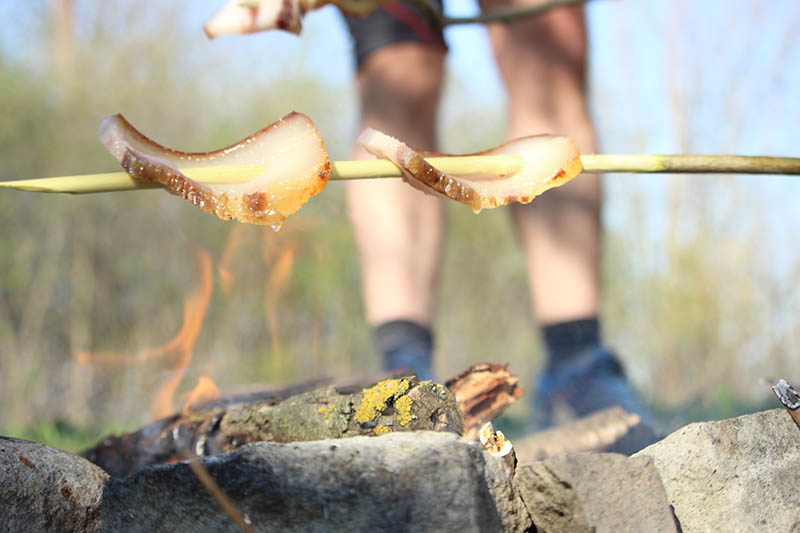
[495, 165]
[690, 164]
[341, 170]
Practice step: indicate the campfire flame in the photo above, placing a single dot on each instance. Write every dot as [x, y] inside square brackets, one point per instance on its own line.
[205, 391]
[182, 345]
[102, 359]
[177, 352]
[236, 237]
[277, 282]
[279, 254]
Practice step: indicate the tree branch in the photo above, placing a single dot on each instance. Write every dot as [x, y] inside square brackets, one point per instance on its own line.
[509, 14]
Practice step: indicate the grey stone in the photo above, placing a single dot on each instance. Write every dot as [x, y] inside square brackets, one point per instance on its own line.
[741, 474]
[46, 489]
[600, 492]
[397, 482]
[500, 479]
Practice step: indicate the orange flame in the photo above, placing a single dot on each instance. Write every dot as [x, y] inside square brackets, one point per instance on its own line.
[205, 391]
[225, 267]
[177, 352]
[194, 313]
[277, 282]
[102, 359]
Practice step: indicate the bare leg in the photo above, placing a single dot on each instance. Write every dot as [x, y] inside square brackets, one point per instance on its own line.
[542, 60]
[399, 231]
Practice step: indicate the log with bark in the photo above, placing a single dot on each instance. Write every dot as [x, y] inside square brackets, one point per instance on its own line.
[609, 430]
[399, 404]
[315, 410]
[327, 408]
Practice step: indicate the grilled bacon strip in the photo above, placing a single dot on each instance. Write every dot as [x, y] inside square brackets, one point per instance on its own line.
[296, 168]
[550, 161]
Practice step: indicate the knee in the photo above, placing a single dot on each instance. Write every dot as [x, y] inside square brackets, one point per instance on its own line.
[404, 78]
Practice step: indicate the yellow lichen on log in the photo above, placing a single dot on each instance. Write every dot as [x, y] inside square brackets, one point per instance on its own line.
[375, 399]
[326, 410]
[380, 429]
[403, 406]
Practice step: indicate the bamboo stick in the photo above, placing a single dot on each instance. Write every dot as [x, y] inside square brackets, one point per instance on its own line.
[690, 164]
[499, 165]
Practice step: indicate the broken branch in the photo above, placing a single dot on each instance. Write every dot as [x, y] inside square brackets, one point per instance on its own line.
[789, 397]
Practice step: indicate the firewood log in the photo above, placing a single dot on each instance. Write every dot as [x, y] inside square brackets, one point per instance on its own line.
[397, 404]
[314, 410]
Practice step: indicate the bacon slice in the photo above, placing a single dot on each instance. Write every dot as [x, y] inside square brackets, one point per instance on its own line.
[239, 17]
[236, 18]
[550, 161]
[297, 168]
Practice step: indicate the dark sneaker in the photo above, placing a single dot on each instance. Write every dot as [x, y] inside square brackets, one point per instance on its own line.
[417, 362]
[406, 346]
[582, 385]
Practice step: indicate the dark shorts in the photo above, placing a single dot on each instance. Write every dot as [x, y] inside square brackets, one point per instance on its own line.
[393, 23]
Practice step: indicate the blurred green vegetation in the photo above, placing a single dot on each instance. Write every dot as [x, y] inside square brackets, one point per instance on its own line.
[693, 315]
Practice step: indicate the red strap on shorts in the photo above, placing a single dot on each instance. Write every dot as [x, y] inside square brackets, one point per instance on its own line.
[414, 21]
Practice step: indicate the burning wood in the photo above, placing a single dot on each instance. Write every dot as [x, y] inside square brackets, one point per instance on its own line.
[312, 411]
[322, 409]
[397, 404]
[206, 391]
